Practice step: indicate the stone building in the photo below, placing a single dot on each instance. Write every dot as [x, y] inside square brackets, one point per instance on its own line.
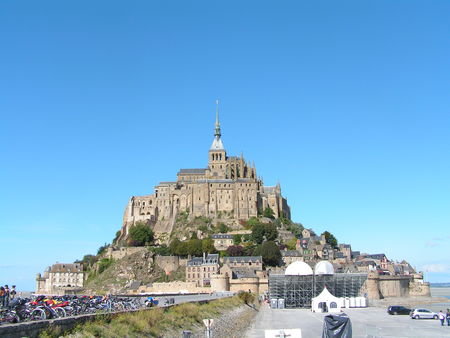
[228, 188]
[200, 269]
[222, 241]
[290, 256]
[60, 278]
[244, 262]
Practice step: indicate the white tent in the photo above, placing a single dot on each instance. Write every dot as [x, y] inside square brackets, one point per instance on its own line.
[327, 300]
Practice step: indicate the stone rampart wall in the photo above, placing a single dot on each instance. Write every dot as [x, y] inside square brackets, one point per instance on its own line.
[170, 263]
[123, 252]
[417, 289]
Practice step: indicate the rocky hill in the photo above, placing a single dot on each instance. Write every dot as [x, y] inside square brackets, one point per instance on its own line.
[109, 275]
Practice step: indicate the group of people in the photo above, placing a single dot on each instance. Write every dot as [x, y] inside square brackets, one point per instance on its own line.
[443, 316]
[7, 294]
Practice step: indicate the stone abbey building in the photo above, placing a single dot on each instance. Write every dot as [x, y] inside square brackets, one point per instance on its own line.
[228, 188]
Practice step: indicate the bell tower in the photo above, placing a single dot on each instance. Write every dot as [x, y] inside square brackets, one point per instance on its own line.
[217, 160]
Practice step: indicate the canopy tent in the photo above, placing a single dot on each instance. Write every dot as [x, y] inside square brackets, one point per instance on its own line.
[326, 302]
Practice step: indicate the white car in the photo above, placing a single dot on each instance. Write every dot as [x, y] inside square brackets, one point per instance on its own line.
[423, 313]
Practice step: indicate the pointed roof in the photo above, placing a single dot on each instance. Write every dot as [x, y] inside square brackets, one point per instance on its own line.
[217, 143]
[325, 295]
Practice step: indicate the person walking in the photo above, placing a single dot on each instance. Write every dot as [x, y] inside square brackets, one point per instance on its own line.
[441, 317]
[2, 296]
[13, 292]
[6, 301]
[448, 317]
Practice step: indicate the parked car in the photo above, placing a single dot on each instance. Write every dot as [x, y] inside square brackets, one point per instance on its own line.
[423, 313]
[398, 310]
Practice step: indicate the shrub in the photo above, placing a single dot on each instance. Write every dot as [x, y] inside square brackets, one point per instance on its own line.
[246, 297]
[139, 234]
[235, 250]
[104, 264]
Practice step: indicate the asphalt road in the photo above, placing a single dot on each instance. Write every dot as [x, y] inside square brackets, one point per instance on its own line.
[366, 322]
[190, 298]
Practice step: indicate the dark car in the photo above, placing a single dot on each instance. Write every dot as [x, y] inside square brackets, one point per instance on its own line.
[398, 310]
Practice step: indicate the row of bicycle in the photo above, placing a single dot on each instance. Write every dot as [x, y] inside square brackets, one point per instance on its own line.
[41, 307]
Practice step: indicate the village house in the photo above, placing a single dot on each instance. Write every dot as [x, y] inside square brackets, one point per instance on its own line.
[200, 269]
[222, 241]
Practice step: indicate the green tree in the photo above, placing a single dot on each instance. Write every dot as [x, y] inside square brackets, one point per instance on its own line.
[139, 234]
[222, 228]
[258, 232]
[237, 239]
[208, 245]
[270, 253]
[182, 249]
[268, 212]
[291, 244]
[330, 239]
[235, 250]
[102, 249]
[253, 221]
[271, 232]
[162, 250]
[194, 247]
[173, 246]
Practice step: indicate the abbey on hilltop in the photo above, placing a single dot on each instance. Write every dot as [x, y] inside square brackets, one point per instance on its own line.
[227, 189]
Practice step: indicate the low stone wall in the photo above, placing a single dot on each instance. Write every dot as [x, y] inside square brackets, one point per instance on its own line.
[173, 287]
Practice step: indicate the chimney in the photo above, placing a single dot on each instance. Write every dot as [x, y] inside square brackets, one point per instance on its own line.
[204, 257]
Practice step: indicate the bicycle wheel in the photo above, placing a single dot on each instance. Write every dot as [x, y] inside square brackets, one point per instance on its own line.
[38, 314]
[60, 312]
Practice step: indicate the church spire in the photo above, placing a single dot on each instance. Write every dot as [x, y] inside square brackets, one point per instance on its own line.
[217, 143]
[217, 133]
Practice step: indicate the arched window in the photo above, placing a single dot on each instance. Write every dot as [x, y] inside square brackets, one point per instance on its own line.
[320, 305]
[333, 305]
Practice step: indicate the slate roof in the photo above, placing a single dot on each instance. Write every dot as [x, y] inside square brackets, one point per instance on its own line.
[64, 268]
[221, 236]
[216, 181]
[376, 256]
[245, 259]
[243, 273]
[210, 259]
[191, 171]
[291, 253]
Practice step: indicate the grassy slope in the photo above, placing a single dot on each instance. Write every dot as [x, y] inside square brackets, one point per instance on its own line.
[158, 322]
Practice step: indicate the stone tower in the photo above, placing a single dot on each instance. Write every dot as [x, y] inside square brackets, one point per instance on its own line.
[217, 160]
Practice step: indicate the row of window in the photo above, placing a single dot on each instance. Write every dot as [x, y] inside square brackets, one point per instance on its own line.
[213, 268]
[198, 275]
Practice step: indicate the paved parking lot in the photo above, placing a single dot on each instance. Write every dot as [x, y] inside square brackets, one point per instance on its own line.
[366, 322]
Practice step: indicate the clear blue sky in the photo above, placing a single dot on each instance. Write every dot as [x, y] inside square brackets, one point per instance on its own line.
[346, 103]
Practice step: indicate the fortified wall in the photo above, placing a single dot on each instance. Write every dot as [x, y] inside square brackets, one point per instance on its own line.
[385, 286]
